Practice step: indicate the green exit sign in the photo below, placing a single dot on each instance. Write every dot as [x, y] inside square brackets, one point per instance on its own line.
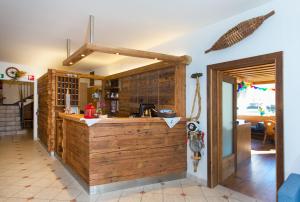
[1, 76]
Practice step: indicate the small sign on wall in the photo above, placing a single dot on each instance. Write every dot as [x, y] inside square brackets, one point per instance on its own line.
[31, 77]
[1, 76]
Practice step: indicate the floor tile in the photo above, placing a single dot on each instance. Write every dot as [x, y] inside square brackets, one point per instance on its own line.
[108, 198]
[208, 192]
[39, 178]
[10, 191]
[68, 194]
[242, 197]
[172, 190]
[192, 190]
[216, 199]
[131, 198]
[152, 197]
[195, 198]
[16, 200]
[172, 198]
[223, 190]
[47, 193]
[2, 199]
[153, 188]
[28, 192]
[84, 197]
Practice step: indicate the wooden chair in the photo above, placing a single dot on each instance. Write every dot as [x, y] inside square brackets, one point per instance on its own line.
[269, 129]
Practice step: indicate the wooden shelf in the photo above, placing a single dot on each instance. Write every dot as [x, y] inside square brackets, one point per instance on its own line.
[63, 84]
[112, 98]
[111, 88]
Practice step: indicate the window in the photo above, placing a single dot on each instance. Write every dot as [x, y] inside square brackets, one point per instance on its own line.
[257, 100]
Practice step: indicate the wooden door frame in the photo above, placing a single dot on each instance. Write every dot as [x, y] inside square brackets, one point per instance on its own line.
[212, 112]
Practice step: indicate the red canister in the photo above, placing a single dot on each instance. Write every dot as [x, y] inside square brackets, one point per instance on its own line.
[89, 111]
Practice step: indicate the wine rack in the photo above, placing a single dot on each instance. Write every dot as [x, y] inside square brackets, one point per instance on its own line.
[64, 84]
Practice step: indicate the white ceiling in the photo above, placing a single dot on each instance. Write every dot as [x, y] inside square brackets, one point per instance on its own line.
[33, 32]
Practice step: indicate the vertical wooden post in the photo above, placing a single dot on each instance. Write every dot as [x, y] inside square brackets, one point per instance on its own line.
[64, 144]
[51, 108]
[180, 88]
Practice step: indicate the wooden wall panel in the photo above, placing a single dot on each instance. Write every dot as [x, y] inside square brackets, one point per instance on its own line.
[180, 90]
[153, 91]
[155, 87]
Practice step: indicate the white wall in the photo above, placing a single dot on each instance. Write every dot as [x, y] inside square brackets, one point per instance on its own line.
[37, 72]
[279, 33]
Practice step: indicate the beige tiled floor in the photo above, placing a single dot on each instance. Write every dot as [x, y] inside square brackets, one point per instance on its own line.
[27, 173]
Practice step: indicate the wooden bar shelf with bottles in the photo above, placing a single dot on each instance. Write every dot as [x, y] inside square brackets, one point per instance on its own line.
[52, 89]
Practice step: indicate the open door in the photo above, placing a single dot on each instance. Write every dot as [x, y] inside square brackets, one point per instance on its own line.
[227, 127]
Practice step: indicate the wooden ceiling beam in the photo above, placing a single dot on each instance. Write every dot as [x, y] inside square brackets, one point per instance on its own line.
[268, 77]
[78, 55]
[253, 74]
[264, 82]
[252, 70]
[141, 54]
[257, 67]
[88, 48]
[258, 80]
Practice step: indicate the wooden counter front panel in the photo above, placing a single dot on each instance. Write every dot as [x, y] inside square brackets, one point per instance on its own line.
[77, 148]
[120, 152]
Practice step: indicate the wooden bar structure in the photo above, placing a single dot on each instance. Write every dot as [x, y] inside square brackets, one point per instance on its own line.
[117, 149]
[122, 149]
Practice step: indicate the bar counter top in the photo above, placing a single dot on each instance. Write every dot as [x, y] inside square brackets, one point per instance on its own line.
[77, 117]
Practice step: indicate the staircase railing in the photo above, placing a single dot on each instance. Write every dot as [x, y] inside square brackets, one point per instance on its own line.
[25, 92]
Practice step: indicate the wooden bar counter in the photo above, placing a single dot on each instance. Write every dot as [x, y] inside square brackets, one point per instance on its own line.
[118, 150]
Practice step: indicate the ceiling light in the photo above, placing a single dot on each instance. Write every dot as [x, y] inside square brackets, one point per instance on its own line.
[70, 63]
[155, 58]
[82, 55]
[117, 53]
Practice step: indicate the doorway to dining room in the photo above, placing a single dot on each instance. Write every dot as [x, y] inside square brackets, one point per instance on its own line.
[245, 121]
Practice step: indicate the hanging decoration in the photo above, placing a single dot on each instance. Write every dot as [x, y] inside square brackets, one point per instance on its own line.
[239, 32]
[195, 136]
[242, 86]
[14, 73]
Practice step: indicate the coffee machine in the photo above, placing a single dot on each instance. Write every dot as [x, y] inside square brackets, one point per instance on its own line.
[147, 110]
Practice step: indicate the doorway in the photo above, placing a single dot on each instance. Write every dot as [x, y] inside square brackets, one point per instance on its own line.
[16, 106]
[222, 88]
